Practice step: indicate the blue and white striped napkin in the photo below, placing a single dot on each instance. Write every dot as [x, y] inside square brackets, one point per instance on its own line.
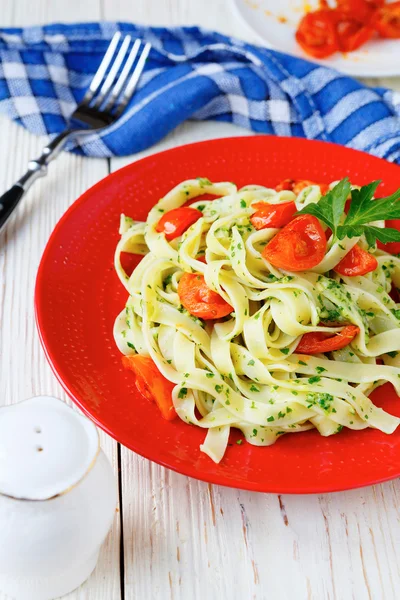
[191, 74]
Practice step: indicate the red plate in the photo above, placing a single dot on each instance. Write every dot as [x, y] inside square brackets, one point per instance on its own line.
[78, 297]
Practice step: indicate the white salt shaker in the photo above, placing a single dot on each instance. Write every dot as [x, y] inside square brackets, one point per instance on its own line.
[57, 499]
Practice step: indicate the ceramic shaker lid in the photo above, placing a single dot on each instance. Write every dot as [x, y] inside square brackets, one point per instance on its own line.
[46, 448]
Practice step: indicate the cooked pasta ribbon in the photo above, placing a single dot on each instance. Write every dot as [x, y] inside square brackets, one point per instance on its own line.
[243, 371]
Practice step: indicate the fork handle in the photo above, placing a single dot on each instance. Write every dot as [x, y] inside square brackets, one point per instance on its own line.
[36, 168]
[9, 201]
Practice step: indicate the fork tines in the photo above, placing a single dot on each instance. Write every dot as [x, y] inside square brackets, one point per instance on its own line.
[112, 88]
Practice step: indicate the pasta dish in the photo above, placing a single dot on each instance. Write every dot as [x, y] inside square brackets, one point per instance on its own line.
[271, 311]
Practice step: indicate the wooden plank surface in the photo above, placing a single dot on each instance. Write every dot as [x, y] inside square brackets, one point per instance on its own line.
[183, 539]
[24, 371]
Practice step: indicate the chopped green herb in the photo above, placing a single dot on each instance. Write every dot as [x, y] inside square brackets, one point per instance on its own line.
[182, 392]
[285, 350]
[203, 181]
[363, 211]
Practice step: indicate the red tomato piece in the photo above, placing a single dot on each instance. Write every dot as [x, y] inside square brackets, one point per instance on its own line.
[356, 262]
[175, 222]
[299, 246]
[317, 33]
[352, 33]
[272, 215]
[316, 342]
[300, 184]
[386, 20]
[199, 300]
[362, 10]
[151, 383]
[296, 185]
[286, 184]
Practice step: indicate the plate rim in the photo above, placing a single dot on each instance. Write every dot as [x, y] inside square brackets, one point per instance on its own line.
[185, 469]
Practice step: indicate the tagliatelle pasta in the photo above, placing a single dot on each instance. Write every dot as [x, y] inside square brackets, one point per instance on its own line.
[243, 370]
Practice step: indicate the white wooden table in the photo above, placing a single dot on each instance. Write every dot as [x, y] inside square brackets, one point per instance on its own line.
[174, 537]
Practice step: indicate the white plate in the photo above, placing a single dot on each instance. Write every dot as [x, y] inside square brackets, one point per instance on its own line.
[275, 23]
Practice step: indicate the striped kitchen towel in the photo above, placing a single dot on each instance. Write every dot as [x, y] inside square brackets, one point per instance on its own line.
[191, 73]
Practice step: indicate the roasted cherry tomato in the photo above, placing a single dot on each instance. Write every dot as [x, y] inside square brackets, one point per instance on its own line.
[286, 184]
[296, 185]
[176, 221]
[362, 10]
[356, 262]
[199, 300]
[272, 215]
[352, 33]
[300, 184]
[391, 247]
[386, 20]
[151, 383]
[299, 246]
[316, 342]
[317, 33]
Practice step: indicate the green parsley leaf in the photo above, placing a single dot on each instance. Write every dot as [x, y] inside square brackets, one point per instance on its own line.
[363, 211]
[284, 350]
[330, 208]
[388, 234]
[243, 203]
[182, 392]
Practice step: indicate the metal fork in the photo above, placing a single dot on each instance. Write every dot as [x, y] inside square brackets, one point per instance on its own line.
[103, 103]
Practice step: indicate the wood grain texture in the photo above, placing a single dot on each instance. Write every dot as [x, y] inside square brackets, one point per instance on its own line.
[24, 371]
[183, 539]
